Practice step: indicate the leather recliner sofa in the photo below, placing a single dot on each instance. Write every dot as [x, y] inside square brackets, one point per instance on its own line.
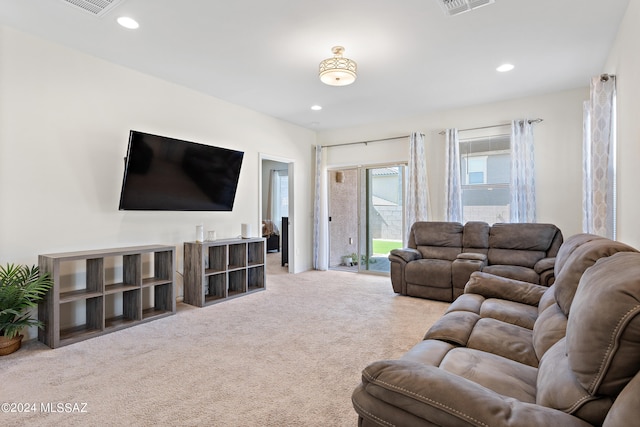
[578, 366]
[441, 256]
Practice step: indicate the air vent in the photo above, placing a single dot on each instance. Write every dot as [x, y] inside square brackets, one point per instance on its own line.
[456, 7]
[94, 7]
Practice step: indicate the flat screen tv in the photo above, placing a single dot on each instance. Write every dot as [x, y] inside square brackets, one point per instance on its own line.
[173, 175]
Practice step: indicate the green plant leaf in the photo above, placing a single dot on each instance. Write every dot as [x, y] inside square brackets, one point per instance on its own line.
[21, 288]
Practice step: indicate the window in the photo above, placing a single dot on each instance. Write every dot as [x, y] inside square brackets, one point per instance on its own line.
[485, 166]
[279, 196]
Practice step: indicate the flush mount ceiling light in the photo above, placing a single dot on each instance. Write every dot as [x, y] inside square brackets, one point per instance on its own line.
[338, 71]
[455, 7]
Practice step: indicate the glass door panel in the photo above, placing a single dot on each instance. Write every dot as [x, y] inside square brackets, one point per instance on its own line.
[382, 208]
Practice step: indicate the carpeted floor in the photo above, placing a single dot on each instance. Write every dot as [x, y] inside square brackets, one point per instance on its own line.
[288, 356]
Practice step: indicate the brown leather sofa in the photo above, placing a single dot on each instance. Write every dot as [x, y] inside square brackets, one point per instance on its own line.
[577, 366]
[441, 256]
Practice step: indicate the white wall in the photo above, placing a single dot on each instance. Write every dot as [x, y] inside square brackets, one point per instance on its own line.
[64, 124]
[624, 62]
[558, 148]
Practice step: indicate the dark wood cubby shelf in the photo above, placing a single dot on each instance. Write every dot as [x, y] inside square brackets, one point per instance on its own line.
[97, 306]
[222, 269]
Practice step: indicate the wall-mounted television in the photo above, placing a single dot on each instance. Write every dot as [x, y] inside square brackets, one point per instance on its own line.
[170, 174]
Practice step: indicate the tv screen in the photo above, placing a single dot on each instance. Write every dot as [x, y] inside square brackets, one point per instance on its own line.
[170, 174]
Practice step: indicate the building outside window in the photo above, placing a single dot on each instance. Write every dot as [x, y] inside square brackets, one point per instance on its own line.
[485, 166]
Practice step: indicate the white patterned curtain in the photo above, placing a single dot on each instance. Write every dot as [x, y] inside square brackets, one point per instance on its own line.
[320, 215]
[599, 159]
[523, 185]
[417, 200]
[453, 193]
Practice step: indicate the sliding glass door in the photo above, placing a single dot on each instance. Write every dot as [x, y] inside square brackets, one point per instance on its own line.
[365, 214]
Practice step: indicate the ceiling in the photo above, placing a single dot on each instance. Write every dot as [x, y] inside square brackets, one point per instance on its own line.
[412, 58]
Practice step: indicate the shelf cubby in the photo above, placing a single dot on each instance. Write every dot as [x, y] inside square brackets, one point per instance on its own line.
[100, 291]
[256, 253]
[255, 278]
[122, 309]
[216, 287]
[217, 270]
[237, 282]
[237, 255]
[83, 319]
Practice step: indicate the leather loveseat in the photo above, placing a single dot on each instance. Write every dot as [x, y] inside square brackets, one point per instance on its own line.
[577, 366]
[441, 256]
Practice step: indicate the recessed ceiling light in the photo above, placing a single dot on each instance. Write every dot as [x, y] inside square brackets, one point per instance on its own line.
[505, 67]
[316, 107]
[127, 22]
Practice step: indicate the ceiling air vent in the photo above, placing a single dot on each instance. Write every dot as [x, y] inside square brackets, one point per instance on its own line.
[94, 7]
[456, 7]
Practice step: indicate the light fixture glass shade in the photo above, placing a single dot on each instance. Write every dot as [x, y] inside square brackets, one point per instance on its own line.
[338, 71]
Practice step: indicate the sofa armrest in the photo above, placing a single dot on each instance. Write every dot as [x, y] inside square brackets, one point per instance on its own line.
[545, 264]
[545, 269]
[394, 390]
[462, 267]
[405, 254]
[472, 256]
[492, 286]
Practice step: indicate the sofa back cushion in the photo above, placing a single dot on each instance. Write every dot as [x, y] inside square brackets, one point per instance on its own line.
[580, 259]
[549, 328]
[583, 373]
[440, 240]
[475, 237]
[522, 244]
[603, 332]
[569, 246]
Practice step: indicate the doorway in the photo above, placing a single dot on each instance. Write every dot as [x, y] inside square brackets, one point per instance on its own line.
[276, 212]
[366, 214]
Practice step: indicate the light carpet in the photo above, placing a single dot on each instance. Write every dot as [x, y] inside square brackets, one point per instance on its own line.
[288, 356]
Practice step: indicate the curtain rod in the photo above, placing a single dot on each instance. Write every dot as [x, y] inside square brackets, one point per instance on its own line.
[493, 126]
[366, 142]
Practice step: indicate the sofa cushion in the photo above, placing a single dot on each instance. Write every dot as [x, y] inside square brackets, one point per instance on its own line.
[581, 258]
[569, 246]
[547, 299]
[514, 257]
[504, 339]
[475, 237]
[500, 298]
[549, 328]
[515, 272]
[434, 233]
[432, 272]
[497, 373]
[510, 311]
[454, 327]
[558, 388]
[528, 237]
[603, 332]
[439, 252]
